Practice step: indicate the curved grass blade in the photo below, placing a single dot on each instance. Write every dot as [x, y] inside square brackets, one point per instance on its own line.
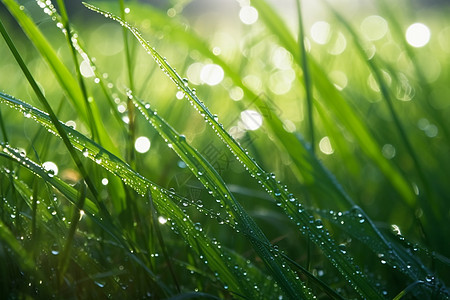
[427, 88]
[72, 195]
[209, 177]
[336, 104]
[62, 74]
[163, 199]
[293, 208]
[44, 102]
[431, 211]
[317, 180]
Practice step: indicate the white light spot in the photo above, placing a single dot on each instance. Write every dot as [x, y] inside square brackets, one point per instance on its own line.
[251, 119]
[325, 146]
[180, 95]
[86, 70]
[248, 15]
[339, 45]
[193, 73]
[105, 181]
[431, 131]
[282, 59]
[142, 144]
[236, 93]
[212, 74]
[50, 166]
[81, 214]
[216, 50]
[374, 27]
[418, 35]
[127, 10]
[162, 220]
[320, 32]
[122, 108]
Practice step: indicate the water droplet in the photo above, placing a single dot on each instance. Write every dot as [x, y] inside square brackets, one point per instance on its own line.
[198, 227]
[319, 224]
[55, 249]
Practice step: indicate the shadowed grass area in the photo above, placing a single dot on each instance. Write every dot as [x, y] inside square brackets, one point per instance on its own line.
[295, 162]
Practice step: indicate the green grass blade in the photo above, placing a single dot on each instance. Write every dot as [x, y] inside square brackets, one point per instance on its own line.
[432, 211]
[306, 75]
[62, 74]
[426, 87]
[163, 199]
[64, 261]
[293, 208]
[130, 106]
[72, 195]
[8, 239]
[209, 177]
[318, 181]
[44, 102]
[336, 104]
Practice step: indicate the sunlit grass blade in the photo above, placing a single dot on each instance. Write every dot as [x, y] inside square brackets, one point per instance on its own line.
[62, 74]
[72, 195]
[319, 182]
[337, 105]
[356, 224]
[163, 199]
[130, 106]
[429, 200]
[306, 75]
[285, 199]
[209, 177]
[425, 87]
[44, 102]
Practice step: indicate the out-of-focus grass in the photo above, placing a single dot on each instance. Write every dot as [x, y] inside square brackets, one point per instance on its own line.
[361, 181]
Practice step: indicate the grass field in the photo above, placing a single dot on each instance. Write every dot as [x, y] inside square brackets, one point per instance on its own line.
[185, 152]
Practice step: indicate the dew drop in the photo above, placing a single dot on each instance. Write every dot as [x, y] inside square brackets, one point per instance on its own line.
[319, 224]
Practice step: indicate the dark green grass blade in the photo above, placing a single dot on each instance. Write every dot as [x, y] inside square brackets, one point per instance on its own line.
[291, 205]
[72, 195]
[164, 200]
[356, 224]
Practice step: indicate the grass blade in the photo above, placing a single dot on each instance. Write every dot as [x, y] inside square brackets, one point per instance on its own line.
[62, 74]
[217, 259]
[209, 177]
[293, 208]
[336, 104]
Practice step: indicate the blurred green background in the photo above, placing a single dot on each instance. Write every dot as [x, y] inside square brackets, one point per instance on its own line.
[411, 41]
